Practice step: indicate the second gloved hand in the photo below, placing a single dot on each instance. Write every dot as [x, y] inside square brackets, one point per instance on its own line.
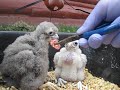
[102, 12]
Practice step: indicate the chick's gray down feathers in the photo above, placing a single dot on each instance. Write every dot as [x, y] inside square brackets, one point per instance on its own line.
[26, 59]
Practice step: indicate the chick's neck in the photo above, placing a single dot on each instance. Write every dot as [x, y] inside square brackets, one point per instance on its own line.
[42, 46]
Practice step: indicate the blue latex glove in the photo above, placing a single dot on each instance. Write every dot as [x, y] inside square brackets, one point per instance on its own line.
[105, 10]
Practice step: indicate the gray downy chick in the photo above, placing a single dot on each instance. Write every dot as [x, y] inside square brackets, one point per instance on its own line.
[25, 62]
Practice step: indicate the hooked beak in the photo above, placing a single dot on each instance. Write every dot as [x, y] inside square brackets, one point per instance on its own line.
[54, 40]
[55, 36]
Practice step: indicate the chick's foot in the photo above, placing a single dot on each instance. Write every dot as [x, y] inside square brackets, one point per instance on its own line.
[61, 82]
[81, 86]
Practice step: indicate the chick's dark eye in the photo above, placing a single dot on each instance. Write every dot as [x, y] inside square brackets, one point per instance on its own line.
[50, 33]
[75, 43]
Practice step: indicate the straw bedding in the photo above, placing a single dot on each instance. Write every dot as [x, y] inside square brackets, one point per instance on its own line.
[92, 82]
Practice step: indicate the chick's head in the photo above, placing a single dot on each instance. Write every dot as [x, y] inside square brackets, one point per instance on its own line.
[74, 45]
[46, 30]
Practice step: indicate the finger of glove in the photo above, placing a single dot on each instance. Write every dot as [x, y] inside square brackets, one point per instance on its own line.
[116, 41]
[107, 39]
[83, 43]
[95, 17]
[95, 41]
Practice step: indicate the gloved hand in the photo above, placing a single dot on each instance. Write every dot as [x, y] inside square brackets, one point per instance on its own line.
[105, 10]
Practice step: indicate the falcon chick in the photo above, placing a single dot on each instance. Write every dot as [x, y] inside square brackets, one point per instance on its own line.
[26, 61]
[70, 63]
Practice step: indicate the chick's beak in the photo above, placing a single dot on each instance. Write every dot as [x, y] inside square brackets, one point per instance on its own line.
[55, 36]
[54, 40]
